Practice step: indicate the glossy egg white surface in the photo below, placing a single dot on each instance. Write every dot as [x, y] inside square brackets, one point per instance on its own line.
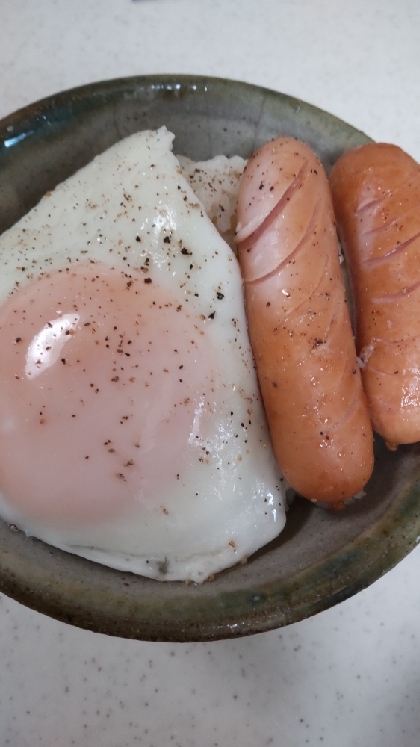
[131, 428]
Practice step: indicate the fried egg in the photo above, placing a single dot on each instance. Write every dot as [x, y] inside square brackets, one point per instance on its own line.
[131, 427]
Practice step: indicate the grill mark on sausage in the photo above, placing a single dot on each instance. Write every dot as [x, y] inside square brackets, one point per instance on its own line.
[395, 297]
[277, 209]
[386, 227]
[377, 200]
[298, 248]
[398, 248]
[306, 301]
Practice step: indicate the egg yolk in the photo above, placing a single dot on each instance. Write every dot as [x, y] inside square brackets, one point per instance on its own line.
[101, 375]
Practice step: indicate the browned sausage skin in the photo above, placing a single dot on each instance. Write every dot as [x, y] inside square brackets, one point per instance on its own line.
[376, 195]
[299, 324]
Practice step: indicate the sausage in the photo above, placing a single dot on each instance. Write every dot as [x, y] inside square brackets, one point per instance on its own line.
[299, 324]
[376, 195]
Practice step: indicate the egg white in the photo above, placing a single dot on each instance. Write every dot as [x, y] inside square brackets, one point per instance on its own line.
[120, 209]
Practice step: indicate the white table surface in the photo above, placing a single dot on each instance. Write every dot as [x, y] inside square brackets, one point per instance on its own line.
[349, 677]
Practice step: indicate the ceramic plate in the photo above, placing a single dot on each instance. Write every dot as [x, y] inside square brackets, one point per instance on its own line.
[322, 557]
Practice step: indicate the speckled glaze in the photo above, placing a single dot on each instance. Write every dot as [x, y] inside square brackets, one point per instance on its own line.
[322, 557]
